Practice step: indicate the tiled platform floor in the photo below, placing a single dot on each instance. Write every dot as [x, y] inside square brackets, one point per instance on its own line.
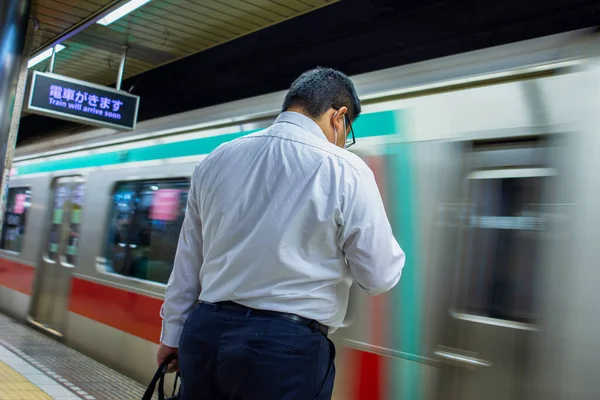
[35, 366]
[15, 386]
[20, 380]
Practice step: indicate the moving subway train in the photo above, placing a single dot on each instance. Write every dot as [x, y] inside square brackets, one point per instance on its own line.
[486, 162]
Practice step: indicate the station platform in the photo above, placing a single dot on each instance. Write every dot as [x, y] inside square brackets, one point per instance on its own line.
[35, 366]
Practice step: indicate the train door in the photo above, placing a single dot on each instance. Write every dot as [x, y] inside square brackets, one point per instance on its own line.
[60, 254]
[491, 320]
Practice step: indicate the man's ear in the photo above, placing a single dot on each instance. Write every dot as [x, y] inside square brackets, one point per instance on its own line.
[338, 121]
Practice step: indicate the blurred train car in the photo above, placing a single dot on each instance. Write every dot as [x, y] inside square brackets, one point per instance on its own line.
[486, 162]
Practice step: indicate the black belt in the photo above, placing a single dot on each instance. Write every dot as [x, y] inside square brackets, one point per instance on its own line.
[311, 323]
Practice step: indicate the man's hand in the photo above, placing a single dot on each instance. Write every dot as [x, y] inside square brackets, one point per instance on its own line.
[163, 352]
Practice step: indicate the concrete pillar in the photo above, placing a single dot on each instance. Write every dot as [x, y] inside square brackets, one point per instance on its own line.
[14, 22]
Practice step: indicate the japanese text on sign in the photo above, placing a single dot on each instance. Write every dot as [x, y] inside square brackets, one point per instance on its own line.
[79, 101]
[66, 97]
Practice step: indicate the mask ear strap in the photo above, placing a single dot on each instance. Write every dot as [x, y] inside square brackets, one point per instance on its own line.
[334, 129]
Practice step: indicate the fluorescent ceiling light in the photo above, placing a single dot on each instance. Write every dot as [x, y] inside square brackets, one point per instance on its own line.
[122, 11]
[43, 55]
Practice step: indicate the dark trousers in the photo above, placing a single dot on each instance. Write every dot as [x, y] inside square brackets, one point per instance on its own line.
[229, 354]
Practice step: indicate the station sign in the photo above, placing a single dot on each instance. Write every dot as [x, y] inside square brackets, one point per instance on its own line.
[79, 101]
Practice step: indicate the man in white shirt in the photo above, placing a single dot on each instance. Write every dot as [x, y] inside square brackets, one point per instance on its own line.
[278, 226]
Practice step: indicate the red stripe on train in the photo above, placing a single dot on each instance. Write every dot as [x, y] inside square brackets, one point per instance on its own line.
[131, 312]
[378, 304]
[369, 368]
[17, 276]
[366, 373]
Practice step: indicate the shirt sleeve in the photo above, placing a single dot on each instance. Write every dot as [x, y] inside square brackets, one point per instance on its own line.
[183, 287]
[373, 255]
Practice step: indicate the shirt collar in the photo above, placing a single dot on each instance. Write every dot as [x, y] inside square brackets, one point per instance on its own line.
[302, 121]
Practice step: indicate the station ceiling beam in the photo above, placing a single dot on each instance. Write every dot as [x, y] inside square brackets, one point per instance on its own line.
[155, 33]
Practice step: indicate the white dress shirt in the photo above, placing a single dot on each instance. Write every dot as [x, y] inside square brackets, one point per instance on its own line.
[281, 220]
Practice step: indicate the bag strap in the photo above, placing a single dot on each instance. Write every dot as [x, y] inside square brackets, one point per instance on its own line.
[159, 377]
[177, 379]
[161, 389]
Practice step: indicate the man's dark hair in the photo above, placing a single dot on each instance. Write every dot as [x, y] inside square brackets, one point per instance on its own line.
[319, 89]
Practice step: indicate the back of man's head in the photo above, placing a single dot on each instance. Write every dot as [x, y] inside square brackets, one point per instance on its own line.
[320, 89]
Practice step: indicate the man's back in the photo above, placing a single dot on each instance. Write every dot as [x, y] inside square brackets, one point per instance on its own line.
[272, 210]
[278, 225]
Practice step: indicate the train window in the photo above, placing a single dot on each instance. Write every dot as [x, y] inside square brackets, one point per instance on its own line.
[75, 210]
[67, 207]
[144, 228]
[15, 217]
[505, 222]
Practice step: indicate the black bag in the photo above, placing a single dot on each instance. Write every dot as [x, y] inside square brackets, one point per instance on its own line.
[159, 377]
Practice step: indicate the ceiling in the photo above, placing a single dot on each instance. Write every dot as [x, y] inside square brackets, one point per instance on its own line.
[355, 36]
[159, 32]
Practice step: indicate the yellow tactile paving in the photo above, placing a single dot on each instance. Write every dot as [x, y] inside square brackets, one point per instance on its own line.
[14, 386]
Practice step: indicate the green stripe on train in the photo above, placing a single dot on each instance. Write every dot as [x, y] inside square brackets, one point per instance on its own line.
[368, 125]
[406, 335]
